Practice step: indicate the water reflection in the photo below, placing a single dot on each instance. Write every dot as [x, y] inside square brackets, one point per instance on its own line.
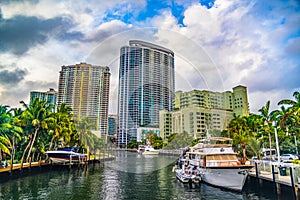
[136, 163]
[128, 177]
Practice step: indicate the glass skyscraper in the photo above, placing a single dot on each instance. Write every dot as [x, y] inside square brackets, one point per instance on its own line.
[146, 86]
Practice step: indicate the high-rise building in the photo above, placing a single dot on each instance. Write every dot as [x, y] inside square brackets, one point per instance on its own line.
[85, 88]
[146, 86]
[240, 101]
[49, 96]
[112, 126]
[237, 101]
[198, 111]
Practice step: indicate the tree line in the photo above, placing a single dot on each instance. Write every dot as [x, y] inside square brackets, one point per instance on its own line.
[26, 134]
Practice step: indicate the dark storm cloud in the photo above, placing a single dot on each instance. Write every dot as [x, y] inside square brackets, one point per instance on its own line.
[20, 33]
[12, 77]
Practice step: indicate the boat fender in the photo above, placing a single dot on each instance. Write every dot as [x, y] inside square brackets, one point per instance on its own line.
[244, 172]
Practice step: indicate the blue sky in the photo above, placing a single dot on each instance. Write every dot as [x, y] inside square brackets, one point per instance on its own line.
[217, 44]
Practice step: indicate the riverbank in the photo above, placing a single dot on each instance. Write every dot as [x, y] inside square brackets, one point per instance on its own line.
[26, 169]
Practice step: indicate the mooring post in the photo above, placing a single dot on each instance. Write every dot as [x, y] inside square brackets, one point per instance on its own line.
[70, 162]
[294, 188]
[256, 169]
[276, 185]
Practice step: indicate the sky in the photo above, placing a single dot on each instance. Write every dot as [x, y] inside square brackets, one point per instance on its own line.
[218, 44]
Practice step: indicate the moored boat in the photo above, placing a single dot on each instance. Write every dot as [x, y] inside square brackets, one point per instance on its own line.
[186, 178]
[217, 163]
[64, 155]
[149, 150]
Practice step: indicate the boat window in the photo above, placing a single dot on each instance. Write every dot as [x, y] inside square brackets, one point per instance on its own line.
[221, 157]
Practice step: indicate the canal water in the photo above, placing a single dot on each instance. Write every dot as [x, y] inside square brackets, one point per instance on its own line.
[129, 176]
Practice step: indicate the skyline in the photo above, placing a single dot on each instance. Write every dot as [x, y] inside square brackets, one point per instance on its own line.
[217, 44]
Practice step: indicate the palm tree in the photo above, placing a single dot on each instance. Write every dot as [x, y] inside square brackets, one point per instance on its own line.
[292, 115]
[5, 127]
[5, 144]
[266, 120]
[60, 125]
[84, 127]
[295, 105]
[239, 131]
[35, 116]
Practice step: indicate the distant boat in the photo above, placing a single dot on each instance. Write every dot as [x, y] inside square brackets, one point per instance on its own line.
[147, 150]
[64, 155]
[218, 164]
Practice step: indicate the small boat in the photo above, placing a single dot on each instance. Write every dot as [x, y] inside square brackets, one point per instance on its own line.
[64, 155]
[149, 150]
[217, 163]
[186, 176]
[141, 149]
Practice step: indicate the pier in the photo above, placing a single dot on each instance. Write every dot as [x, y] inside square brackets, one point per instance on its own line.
[18, 170]
[279, 176]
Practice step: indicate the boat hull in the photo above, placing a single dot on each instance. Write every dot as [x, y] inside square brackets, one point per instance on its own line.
[186, 178]
[232, 178]
[150, 153]
[66, 156]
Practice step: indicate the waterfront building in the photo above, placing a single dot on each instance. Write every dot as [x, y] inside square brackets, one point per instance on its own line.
[85, 88]
[240, 104]
[112, 125]
[49, 96]
[146, 86]
[199, 111]
[237, 101]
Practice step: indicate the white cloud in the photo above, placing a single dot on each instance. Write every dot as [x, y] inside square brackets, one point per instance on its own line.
[234, 42]
[243, 48]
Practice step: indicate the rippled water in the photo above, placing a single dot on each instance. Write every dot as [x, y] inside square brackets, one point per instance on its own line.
[130, 176]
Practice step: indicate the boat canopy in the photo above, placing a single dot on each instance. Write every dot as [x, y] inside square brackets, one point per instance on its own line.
[221, 139]
[222, 157]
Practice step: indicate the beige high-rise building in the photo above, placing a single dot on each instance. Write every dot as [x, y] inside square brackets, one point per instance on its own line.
[199, 111]
[85, 88]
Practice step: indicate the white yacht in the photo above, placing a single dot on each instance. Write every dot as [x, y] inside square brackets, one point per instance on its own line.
[218, 164]
[149, 150]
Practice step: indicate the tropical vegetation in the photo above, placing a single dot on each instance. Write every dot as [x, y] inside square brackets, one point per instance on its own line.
[252, 133]
[26, 134]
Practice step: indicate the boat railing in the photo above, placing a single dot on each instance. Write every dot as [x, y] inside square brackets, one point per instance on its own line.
[81, 158]
[217, 145]
[222, 163]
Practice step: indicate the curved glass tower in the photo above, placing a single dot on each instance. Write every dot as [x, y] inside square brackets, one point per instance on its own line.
[146, 86]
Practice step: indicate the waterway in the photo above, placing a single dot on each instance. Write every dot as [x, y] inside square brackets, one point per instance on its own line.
[129, 176]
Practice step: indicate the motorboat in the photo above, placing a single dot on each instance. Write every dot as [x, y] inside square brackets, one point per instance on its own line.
[186, 178]
[217, 163]
[149, 150]
[64, 155]
[187, 175]
[141, 149]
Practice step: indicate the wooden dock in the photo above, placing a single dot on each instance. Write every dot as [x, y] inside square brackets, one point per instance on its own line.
[25, 166]
[283, 175]
[18, 170]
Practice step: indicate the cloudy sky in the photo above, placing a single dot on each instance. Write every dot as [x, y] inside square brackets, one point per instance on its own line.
[218, 44]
